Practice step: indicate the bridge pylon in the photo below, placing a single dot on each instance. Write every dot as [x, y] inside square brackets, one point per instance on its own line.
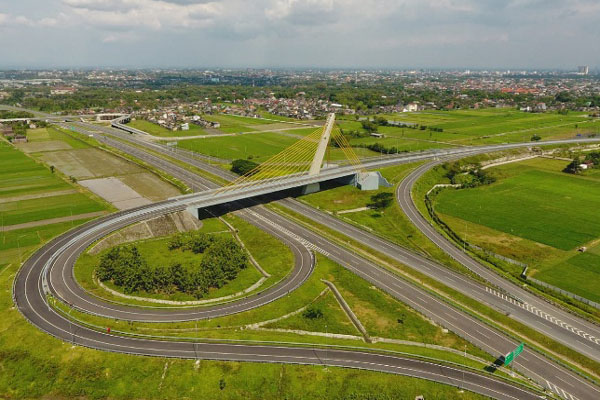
[317, 162]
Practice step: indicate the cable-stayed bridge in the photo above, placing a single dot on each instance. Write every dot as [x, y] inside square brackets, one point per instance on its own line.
[302, 166]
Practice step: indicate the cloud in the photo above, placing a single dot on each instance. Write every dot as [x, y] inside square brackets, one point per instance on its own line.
[312, 32]
[146, 14]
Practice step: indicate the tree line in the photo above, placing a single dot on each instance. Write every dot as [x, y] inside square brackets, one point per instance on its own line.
[222, 261]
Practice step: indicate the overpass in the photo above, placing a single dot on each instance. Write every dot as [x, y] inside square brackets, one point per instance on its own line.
[300, 166]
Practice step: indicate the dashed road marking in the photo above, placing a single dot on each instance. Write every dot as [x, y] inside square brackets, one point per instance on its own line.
[561, 392]
[280, 228]
[542, 314]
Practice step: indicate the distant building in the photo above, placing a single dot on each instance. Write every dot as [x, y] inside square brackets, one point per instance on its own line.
[412, 107]
[185, 127]
[583, 69]
[541, 107]
[63, 90]
[6, 130]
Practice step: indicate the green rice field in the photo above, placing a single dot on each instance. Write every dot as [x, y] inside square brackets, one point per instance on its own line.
[21, 178]
[536, 214]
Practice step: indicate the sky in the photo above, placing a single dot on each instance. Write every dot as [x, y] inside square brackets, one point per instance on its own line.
[478, 34]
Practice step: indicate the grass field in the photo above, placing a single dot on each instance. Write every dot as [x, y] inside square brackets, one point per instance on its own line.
[548, 207]
[476, 127]
[235, 124]
[257, 146]
[157, 130]
[536, 214]
[22, 176]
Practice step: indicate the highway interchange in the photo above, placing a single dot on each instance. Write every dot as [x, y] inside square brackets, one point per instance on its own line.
[29, 292]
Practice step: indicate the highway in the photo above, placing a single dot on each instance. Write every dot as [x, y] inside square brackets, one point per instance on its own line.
[488, 298]
[526, 308]
[30, 280]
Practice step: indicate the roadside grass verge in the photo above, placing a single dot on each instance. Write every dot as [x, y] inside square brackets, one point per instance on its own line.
[236, 327]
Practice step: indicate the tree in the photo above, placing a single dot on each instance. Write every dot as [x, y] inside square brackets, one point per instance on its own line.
[242, 167]
[380, 201]
[369, 126]
[573, 167]
[535, 138]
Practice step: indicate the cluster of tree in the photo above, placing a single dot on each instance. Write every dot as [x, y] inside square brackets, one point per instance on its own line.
[381, 200]
[369, 126]
[126, 268]
[242, 167]
[592, 160]
[379, 148]
[467, 176]
[195, 242]
[6, 114]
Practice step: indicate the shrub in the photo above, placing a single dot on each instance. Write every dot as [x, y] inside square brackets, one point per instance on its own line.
[312, 313]
[380, 201]
[242, 167]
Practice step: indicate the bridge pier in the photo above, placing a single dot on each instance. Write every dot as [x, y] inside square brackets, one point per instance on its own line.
[311, 188]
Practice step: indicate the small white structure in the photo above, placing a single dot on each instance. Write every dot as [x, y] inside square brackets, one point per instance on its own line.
[371, 180]
[412, 107]
[185, 127]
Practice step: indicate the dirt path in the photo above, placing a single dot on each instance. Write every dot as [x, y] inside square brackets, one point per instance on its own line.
[51, 221]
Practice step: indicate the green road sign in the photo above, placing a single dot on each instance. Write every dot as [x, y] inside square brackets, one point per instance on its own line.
[513, 354]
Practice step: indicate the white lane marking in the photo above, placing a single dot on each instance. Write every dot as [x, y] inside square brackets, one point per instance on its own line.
[280, 228]
[561, 392]
[542, 314]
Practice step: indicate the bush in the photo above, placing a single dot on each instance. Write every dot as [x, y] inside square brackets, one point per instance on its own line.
[380, 201]
[242, 167]
[312, 313]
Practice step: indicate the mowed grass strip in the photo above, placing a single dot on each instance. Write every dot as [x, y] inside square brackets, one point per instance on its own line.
[557, 210]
